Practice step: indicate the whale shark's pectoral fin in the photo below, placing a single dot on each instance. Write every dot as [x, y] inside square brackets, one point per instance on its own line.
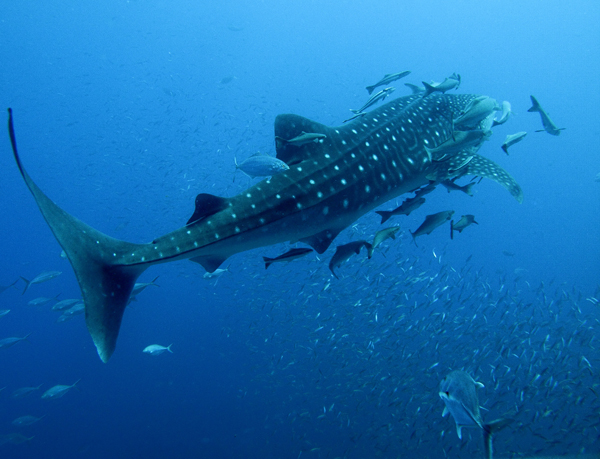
[209, 263]
[321, 241]
[105, 285]
[486, 168]
[290, 126]
[466, 163]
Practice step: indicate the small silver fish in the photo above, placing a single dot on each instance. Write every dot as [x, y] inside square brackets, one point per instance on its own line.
[260, 165]
[157, 349]
[26, 420]
[6, 287]
[452, 186]
[9, 342]
[407, 206]
[465, 220]
[506, 112]
[3, 312]
[432, 222]
[387, 79]
[41, 301]
[344, 252]
[43, 277]
[380, 96]
[139, 287]
[458, 390]
[452, 82]
[24, 391]
[381, 236]
[511, 139]
[548, 124]
[58, 391]
[65, 304]
[302, 139]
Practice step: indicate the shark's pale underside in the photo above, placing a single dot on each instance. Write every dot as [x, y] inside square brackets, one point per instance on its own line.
[330, 184]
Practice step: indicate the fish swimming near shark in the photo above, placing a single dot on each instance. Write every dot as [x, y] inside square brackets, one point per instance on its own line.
[548, 124]
[344, 252]
[387, 79]
[458, 390]
[329, 185]
[465, 220]
[407, 206]
[259, 165]
[452, 82]
[432, 222]
[511, 139]
[381, 236]
[379, 97]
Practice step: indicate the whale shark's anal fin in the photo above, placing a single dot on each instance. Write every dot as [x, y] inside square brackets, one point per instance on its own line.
[321, 241]
[105, 286]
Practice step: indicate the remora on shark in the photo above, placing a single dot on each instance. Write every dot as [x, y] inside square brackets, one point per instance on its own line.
[330, 184]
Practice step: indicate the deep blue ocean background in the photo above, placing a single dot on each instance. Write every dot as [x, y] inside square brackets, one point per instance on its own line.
[125, 110]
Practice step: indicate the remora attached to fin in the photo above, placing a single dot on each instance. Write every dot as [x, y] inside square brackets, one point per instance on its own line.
[105, 287]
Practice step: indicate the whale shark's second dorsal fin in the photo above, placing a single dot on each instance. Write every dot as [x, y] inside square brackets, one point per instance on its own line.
[205, 205]
[290, 126]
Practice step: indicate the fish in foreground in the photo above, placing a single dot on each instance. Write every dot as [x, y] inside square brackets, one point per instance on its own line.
[458, 390]
[157, 349]
[14, 438]
[381, 236]
[139, 287]
[24, 391]
[42, 301]
[6, 287]
[465, 220]
[344, 252]
[380, 96]
[260, 165]
[58, 391]
[358, 167]
[43, 277]
[548, 124]
[387, 79]
[290, 255]
[407, 206]
[451, 185]
[26, 420]
[511, 139]
[432, 222]
[9, 342]
[452, 82]
[506, 112]
[299, 140]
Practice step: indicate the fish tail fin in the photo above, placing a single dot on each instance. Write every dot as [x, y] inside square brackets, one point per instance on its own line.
[27, 285]
[489, 430]
[355, 111]
[385, 215]
[428, 89]
[268, 261]
[535, 105]
[370, 89]
[105, 284]
[169, 348]
[414, 238]
[469, 188]
[154, 282]
[27, 336]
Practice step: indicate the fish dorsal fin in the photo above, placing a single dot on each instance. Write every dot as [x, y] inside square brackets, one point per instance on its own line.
[290, 126]
[210, 263]
[207, 204]
[321, 241]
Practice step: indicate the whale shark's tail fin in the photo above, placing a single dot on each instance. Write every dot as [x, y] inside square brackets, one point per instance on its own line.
[105, 285]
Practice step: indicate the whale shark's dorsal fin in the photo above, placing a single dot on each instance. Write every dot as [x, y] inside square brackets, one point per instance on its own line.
[207, 204]
[290, 126]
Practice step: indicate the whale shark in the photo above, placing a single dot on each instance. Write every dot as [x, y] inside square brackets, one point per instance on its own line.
[329, 184]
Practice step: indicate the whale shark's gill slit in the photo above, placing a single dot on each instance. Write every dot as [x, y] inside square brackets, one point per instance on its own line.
[105, 284]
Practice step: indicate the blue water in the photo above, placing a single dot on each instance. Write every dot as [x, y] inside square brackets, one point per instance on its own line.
[124, 112]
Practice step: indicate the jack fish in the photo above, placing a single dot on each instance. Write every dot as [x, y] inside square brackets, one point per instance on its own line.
[353, 169]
